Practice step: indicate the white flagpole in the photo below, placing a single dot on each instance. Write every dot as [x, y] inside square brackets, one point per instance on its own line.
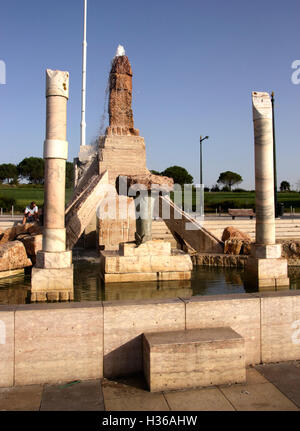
[83, 94]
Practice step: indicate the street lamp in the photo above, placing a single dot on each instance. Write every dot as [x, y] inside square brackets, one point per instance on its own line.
[201, 140]
[274, 156]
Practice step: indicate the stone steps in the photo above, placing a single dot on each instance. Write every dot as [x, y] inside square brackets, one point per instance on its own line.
[194, 357]
[285, 229]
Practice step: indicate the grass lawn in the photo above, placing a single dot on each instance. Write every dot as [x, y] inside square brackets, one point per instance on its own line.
[26, 193]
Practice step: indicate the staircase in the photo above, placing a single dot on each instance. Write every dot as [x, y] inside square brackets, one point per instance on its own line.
[161, 231]
[286, 229]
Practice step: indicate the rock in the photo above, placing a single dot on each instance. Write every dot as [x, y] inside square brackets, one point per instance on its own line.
[233, 246]
[231, 232]
[32, 243]
[12, 233]
[291, 249]
[120, 98]
[13, 256]
[246, 248]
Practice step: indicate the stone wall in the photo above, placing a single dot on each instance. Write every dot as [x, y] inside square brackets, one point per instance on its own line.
[54, 343]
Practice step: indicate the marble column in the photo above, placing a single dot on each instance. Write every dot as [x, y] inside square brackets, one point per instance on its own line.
[52, 277]
[265, 263]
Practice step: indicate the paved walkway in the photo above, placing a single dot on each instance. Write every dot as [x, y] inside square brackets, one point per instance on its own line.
[268, 387]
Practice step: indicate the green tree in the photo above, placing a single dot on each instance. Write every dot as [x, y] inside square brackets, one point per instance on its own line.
[32, 169]
[154, 172]
[285, 186]
[69, 175]
[229, 179]
[8, 172]
[180, 175]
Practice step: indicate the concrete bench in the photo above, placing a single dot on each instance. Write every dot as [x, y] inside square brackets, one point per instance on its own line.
[241, 213]
[194, 357]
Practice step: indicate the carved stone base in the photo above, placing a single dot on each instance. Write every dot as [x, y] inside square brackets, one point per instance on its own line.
[267, 272]
[151, 261]
[52, 284]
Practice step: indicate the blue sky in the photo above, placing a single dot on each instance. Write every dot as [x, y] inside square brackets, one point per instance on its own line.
[195, 64]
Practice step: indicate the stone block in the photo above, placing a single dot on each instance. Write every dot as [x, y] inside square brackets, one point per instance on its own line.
[154, 247]
[272, 251]
[124, 324]
[147, 276]
[280, 326]
[60, 259]
[267, 272]
[51, 281]
[194, 357]
[113, 263]
[7, 346]
[57, 343]
[241, 312]
[13, 256]
[33, 244]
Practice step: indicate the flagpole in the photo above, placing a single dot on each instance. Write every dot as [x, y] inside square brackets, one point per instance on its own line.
[83, 93]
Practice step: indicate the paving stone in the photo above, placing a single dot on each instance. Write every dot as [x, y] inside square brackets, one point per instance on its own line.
[83, 396]
[143, 402]
[285, 376]
[254, 377]
[24, 398]
[131, 386]
[254, 397]
[198, 400]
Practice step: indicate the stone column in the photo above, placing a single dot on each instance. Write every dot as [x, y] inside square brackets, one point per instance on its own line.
[264, 174]
[52, 277]
[265, 264]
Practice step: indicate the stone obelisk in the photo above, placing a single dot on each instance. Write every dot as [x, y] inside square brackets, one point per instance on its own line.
[265, 264]
[52, 276]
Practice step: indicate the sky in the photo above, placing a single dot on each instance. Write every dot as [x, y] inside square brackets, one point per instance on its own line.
[195, 64]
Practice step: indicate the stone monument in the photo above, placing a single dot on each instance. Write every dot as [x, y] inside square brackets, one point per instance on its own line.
[265, 264]
[52, 276]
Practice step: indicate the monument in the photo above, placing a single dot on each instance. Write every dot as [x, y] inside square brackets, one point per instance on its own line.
[52, 276]
[128, 252]
[265, 264]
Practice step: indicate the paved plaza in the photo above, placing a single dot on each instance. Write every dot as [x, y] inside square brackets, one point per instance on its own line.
[269, 387]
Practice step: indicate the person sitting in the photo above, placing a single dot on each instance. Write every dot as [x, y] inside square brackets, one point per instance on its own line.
[31, 213]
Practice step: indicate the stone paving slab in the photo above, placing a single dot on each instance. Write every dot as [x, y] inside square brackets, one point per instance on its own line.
[21, 398]
[257, 397]
[210, 399]
[143, 402]
[82, 396]
[268, 387]
[285, 376]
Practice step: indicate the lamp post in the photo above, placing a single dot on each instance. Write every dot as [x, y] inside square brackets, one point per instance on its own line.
[201, 176]
[274, 156]
[83, 90]
[201, 140]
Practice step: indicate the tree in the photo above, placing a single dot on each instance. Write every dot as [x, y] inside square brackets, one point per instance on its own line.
[229, 179]
[32, 168]
[8, 172]
[154, 172]
[285, 186]
[69, 175]
[180, 175]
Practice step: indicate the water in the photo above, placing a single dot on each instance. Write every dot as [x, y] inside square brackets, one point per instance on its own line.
[89, 287]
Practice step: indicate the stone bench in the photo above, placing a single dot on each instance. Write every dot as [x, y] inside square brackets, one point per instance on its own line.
[195, 357]
[244, 212]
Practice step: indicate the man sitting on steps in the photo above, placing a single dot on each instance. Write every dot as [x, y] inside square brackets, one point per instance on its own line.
[31, 213]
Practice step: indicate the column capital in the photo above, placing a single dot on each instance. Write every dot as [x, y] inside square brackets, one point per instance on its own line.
[261, 105]
[57, 83]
